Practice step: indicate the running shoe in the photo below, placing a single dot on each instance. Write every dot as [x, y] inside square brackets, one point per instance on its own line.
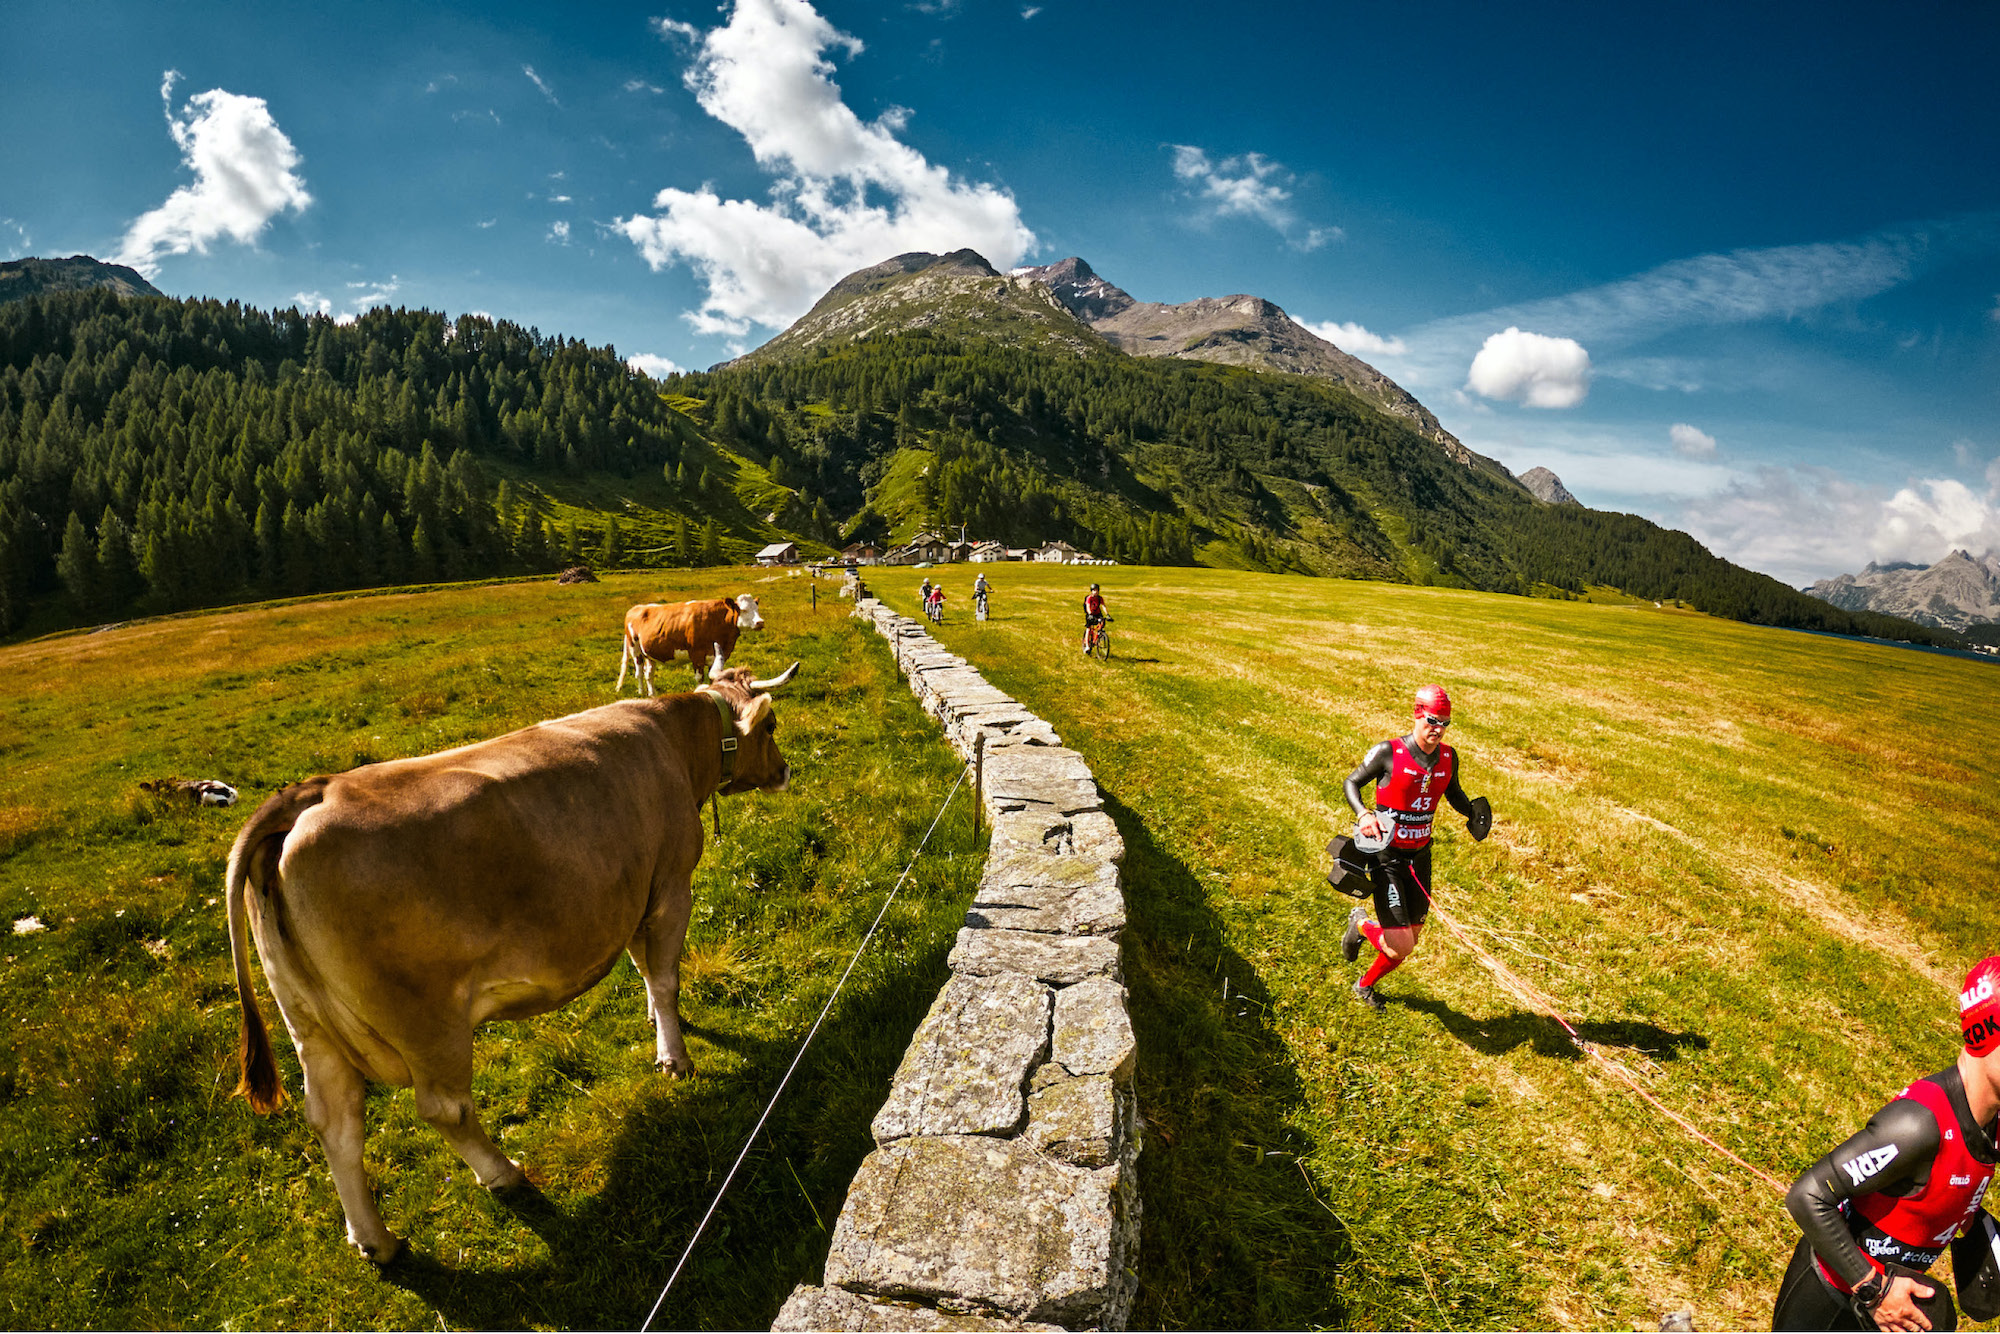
[1350, 944]
[1367, 997]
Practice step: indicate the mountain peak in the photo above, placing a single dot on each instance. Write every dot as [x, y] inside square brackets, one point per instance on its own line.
[918, 290]
[1548, 487]
[1955, 593]
[23, 278]
[1236, 330]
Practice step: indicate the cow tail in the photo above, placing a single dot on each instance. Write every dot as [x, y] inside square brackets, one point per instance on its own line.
[253, 860]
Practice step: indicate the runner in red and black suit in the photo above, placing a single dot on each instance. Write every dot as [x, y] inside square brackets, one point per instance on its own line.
[1411, 774]
[1898, 1193]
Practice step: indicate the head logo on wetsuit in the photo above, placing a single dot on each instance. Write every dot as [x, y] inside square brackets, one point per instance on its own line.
[1979, 1006]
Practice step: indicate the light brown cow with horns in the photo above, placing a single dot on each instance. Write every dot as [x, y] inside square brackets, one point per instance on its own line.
[400, 905]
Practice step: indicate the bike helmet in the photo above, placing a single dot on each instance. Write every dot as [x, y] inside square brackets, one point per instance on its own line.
[1431, 701]
[1979, 1007]
[1093, 588]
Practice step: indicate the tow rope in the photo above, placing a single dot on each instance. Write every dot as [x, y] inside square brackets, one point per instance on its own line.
[792, 1069]
[1534, 999]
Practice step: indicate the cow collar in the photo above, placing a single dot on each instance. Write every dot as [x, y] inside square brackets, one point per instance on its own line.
[729, 741]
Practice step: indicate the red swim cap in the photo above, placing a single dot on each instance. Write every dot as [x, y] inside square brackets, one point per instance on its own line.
[1433, 701]
[1979, 1006]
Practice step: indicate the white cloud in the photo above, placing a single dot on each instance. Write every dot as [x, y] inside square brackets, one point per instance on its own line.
[1030, 11]
[559, 199]
[490, 113]
[1801, 524]
[1691, 443]
[15, 249]
[1532, 369]
[558, 232]
[485, 223]
[536, 79]
[244, 176]
[646, 363]
[1740, 287]
[360, 296]
[1926, 521]
[1355, 339]
[847, 193]
[1248, 186]
[641, 86]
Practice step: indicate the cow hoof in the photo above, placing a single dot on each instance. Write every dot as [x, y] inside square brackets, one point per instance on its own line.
[681, 1069]
[510, 1178]
[383, 1254]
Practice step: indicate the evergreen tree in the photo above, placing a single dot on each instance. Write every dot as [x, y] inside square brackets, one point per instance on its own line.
[711, 544]
[613, 553]
[76, 565]
[118, 575]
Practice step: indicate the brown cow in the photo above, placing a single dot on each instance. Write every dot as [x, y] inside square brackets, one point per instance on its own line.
[655, 631]
[400, 905]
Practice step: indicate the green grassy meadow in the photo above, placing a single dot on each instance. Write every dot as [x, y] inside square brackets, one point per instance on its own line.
[136, 1193]
[1751, 864]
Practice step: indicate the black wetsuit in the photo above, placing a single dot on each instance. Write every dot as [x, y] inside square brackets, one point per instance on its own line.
[1904, 1138]
[1401, 876]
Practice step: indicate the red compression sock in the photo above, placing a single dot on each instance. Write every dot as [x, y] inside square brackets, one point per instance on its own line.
[1382, 967]
[1372, 934]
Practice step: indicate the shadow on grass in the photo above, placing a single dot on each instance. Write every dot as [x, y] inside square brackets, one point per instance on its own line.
[1545, 1037]
[609, 1254]
[1233, 1236]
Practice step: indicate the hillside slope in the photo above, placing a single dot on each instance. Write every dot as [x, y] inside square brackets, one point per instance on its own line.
[23, 278]
[1235, 330]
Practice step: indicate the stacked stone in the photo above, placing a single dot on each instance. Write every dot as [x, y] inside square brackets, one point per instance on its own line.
[1003, 1189]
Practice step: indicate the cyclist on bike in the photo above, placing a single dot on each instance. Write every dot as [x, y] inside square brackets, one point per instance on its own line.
[937, 603]
[979, 591]
[1093, 615]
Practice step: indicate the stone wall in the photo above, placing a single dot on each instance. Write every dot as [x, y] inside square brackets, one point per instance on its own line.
[1003, 1191]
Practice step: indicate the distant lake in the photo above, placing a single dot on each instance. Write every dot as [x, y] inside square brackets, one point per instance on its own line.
[1899, 643]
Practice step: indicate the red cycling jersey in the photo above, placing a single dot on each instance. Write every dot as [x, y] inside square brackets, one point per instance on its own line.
[1093, 604]
[1411, 792]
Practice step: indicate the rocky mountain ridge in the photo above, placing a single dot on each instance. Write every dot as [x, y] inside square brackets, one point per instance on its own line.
[1546, 486]
[23, 278]
[922, 291]
[1236, 330]
[1070, 307]
[1953, 594]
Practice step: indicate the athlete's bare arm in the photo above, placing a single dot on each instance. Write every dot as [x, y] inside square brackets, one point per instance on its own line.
[1891, 1155]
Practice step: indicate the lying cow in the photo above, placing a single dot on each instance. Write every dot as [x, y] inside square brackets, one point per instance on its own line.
[655, 631]
[400, 905]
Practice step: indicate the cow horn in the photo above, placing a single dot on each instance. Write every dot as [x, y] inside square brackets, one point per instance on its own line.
[777, 680]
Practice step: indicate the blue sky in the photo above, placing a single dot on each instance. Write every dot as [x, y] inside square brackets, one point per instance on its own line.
[1736, 268]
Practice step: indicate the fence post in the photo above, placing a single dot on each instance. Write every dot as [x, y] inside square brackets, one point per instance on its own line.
[978, 779]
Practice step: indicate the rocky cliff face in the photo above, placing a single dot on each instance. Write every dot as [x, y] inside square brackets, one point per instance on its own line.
[1547, 486]
[1955, 593]
[1236, 330]
[23, 278]
[959, 292]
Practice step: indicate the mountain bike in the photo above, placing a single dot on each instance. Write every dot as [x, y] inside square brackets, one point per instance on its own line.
[1097, 640]
[979, 606]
